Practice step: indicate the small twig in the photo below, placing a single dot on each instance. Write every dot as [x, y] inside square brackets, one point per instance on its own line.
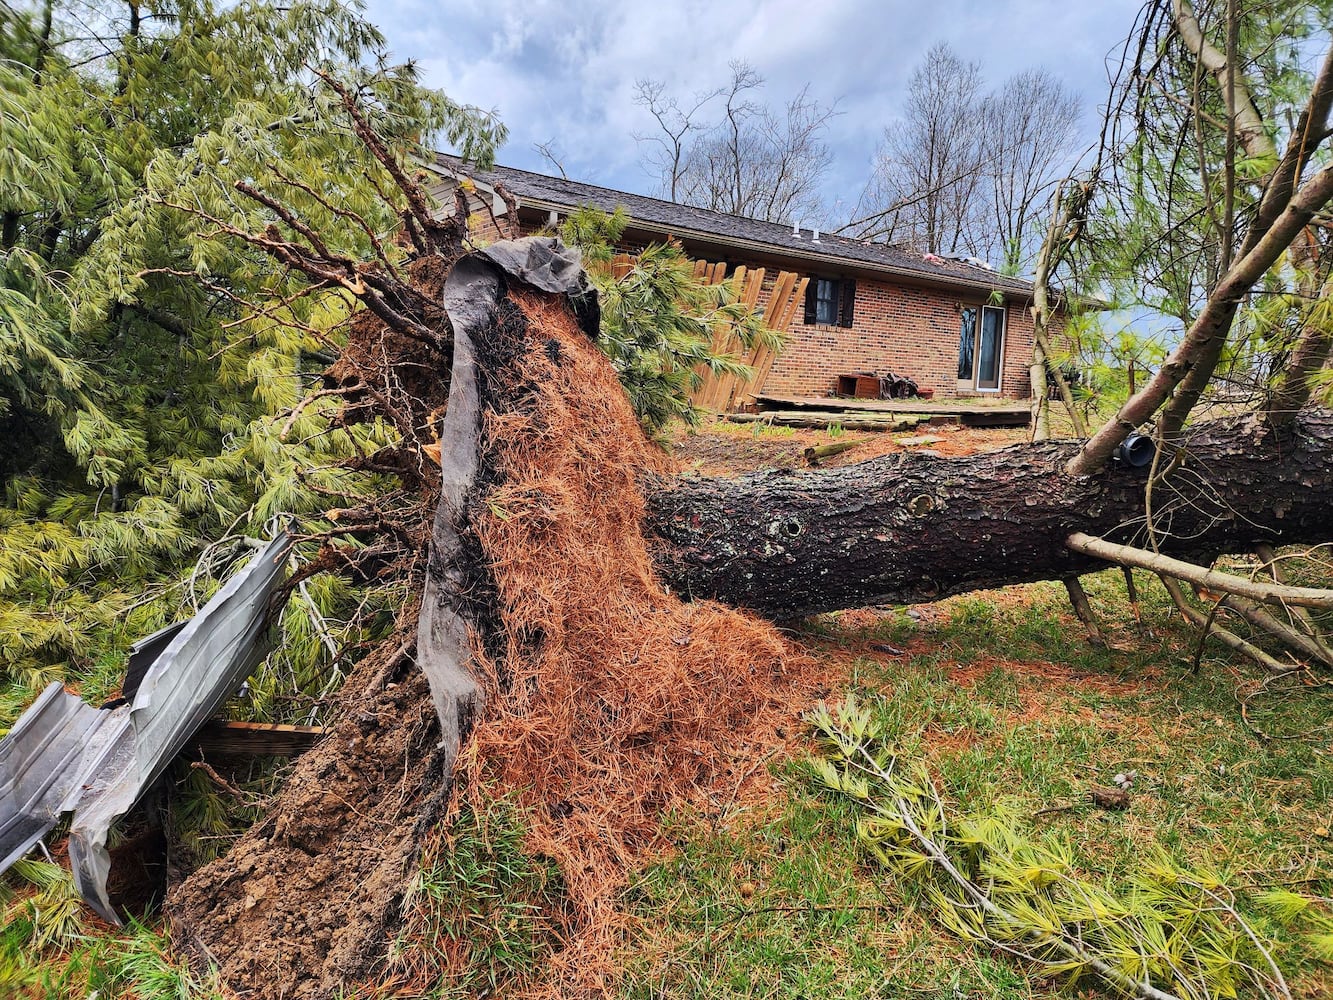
[1227, 637]
[1079, 599]
[1132, 592]
[1273, 564]
[722, 812]
[220, 781]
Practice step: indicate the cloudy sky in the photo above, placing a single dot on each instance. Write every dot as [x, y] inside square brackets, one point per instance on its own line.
[563, 71]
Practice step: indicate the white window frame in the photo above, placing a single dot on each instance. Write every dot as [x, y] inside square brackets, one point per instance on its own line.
[973, 384]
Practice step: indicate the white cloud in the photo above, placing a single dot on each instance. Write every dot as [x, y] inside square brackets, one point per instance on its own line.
[565, 69]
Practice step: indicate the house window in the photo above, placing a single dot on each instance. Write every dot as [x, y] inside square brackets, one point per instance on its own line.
[830, 301]
[826, 301]
[981, 348]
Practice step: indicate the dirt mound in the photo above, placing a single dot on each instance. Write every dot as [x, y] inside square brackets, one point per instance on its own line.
[302, 904]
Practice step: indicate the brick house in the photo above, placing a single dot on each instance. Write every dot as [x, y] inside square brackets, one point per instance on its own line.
[953, 326]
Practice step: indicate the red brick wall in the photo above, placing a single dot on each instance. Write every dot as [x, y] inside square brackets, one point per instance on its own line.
[911, 331]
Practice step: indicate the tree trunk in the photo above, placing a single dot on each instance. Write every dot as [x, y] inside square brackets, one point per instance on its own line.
[916, 527]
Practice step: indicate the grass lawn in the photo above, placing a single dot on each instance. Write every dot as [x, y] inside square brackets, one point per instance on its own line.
[771, 894]
[1004, 700]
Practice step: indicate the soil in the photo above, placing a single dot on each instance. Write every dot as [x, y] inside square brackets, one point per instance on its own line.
[302, 903]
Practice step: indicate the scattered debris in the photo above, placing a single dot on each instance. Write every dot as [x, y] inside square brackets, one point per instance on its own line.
[1109, 798]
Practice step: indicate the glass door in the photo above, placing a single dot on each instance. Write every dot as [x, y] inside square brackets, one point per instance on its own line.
[990, 350]
[967, 350]
[980, 349]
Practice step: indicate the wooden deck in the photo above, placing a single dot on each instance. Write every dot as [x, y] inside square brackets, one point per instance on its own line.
[1001, 413]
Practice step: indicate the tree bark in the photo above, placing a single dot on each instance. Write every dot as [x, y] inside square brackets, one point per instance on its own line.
[915, 527]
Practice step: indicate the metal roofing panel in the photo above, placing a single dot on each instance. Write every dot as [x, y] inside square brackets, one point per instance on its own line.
[189, 681]
[64, 754]
[40, 766]
[142, 655]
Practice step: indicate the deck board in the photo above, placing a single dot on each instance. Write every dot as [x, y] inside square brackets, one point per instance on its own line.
[1008, 411]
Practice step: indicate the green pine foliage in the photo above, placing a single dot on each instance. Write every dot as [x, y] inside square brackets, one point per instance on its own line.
[1160, 237]
[659, 321]
[1167, 932]
[150, 361]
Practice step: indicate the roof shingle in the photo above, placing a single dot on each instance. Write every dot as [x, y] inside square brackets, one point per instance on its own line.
[541, 191]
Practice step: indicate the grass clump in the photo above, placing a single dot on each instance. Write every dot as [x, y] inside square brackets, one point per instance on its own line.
[52, 949]
[480, 913]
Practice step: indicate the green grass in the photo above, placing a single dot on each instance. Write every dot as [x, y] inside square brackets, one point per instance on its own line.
[134, 964]
[480, 911]
[1002, 698]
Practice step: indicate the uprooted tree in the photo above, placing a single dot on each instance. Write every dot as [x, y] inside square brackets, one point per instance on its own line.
[545, 659]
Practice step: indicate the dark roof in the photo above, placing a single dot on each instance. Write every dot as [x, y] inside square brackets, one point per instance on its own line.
[543, 192]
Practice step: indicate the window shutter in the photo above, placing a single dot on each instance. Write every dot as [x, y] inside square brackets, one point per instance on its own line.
[847, 302]
[811, 308]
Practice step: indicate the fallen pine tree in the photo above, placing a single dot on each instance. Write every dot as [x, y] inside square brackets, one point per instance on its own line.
[546, 662]
[915, 527]
[549, 663]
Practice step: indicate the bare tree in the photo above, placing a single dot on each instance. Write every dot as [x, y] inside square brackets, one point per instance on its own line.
[1030, 125]
[675, 125]
[929, 164]
[968, 172]
[549, 152]
[751, 160]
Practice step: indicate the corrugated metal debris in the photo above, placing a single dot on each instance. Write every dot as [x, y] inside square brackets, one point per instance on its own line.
[63, 754]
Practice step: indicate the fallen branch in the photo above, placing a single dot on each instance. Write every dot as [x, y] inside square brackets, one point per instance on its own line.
[1079, 599]
[992, 884]
[815, 453]
[1208, 579]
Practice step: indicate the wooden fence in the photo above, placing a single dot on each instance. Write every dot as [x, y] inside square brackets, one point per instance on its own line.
[725, 393]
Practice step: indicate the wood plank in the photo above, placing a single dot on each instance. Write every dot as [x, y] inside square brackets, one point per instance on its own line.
[797, 300]
[254, 739]
[755, 286]
[621, 265]
[820, 421]
[934, 408]
[781, 289]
